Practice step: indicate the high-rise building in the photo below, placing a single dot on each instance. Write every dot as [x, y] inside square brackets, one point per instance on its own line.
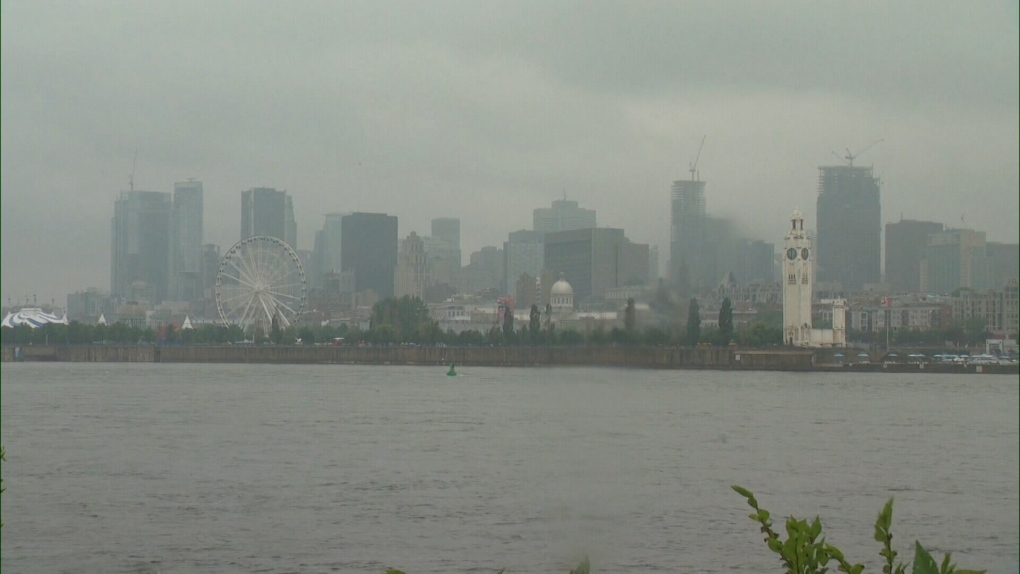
[314, 271]
[954, 259]
[653, 264]
[757, 262]
[523, 253]
[268, 212]
[688, 232]
[564, 215]
[412, 275]
[141, 245]
[849, 226]
[369, 251]
[484, 271]
[447, 229]
[186, 242]
[332, 240]
[210, 267]
[905, 243]
[1004, 259]
[443, 251]
[595, 260]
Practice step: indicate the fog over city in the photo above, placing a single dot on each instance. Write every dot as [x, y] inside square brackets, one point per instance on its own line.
[487, 110]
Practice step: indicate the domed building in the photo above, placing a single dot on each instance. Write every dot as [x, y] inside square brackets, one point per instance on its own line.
[561, 295]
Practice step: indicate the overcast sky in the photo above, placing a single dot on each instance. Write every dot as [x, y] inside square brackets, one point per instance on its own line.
[485, 110]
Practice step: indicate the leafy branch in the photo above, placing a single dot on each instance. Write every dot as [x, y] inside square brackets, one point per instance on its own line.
[805, 552]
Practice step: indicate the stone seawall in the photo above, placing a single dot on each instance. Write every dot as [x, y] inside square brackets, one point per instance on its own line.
[625, 357]
[618, 357]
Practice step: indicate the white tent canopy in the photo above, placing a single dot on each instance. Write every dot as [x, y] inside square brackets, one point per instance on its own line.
[33, 317]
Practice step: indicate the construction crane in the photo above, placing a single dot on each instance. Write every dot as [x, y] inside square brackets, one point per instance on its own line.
[850, 157]
[694, 166]
[131, 176]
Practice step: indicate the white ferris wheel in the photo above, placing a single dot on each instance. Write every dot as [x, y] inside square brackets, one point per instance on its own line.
[260, 280]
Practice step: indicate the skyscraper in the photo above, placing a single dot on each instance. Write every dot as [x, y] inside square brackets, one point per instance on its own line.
[483, 272]
[369, 251]
[688, 229]
[443, 251]
[210, 267]
[141, 244]
[849, 226]
[757, 261]
[186, 241]
[266, 211]
[332, 243]
[905, 243]
[1004, 259]
[956, 258]
[447, 229]
[594, 260]
[564, 215]
[412, 274]
[523, 253]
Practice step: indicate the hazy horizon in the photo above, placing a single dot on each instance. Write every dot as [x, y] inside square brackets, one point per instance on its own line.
[487, 110]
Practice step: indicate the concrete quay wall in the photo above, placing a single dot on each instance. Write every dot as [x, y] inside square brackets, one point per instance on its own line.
[624, 357]
[618, 357]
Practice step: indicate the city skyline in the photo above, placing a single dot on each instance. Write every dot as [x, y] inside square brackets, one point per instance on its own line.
[454, 109]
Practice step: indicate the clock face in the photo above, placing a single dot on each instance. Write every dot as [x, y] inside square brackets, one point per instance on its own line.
[804, 253]
[791, 254]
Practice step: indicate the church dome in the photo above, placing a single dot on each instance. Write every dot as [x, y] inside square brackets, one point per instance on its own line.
[561, 287]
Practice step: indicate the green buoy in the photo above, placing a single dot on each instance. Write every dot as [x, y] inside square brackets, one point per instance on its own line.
[452, 372]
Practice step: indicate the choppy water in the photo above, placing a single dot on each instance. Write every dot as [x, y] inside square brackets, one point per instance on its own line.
[250, 468]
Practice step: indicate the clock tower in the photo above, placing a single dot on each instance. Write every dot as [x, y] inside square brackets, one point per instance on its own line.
[798, 285]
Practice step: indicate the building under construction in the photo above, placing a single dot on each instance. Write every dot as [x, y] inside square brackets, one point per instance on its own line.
[849, 236]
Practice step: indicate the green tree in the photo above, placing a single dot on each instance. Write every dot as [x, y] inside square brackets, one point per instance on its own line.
[657, 337]
[535, 322]
[470, 338]
[693, 323]
[683, 278]
[275, 332]
[571, 337]
[508, 320]
[619, 336]
[495, 336]
[630, 316]
[976, 330]
[551, 336]
[726, 322]
[407, 316]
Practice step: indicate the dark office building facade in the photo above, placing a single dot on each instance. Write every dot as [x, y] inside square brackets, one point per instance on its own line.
[906, 242]
[849, 235]
[368, 246]
[268, 212]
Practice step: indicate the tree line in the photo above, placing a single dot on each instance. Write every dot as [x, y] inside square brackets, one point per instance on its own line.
[406, 321]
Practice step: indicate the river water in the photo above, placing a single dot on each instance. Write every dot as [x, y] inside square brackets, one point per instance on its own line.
[255, 468]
